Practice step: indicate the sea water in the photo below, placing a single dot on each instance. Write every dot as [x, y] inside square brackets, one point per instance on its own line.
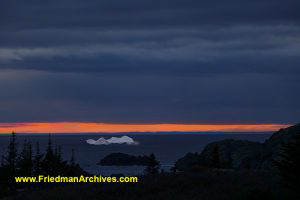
[167, 147]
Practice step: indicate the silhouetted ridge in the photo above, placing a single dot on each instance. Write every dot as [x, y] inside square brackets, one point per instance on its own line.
[240, 154]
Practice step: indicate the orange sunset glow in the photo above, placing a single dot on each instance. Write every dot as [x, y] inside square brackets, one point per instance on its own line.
[81, 127]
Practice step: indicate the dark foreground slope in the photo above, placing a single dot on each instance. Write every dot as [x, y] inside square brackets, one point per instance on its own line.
[206, 185]
[241, 154]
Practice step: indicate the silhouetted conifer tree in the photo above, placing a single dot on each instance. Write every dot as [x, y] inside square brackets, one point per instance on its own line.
[72, 160]
[25, 161]
[48, 164]
[25, 164]
[11, 158]
[37, 160]
[9, 166]
[59, 153]
[56, 150]
[153, 165]
[49, 151]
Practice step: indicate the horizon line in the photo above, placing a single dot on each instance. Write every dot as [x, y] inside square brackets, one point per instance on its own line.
[113, 128]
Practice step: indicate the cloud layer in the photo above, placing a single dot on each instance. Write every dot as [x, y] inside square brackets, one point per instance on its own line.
[150, 61]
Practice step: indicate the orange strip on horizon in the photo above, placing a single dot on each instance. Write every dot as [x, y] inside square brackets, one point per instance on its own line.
[82, 127]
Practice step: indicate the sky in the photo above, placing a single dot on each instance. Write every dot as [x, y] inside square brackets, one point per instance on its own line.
[149, 62]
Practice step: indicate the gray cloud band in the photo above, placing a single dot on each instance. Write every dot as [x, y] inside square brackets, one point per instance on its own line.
[145, 61]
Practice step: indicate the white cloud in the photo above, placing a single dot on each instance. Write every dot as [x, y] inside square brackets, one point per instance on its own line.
[113, 140]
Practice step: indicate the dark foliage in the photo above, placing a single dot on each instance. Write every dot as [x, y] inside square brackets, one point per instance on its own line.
[289, 165]
[188, 162]
[9, 167]
[215, 162]
[25, 164]
[229, 158]
[152, 166]
[37, 161]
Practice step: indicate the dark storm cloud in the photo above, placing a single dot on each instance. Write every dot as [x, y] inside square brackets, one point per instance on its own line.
[146, 13]
[41, 96]
[150, 61]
